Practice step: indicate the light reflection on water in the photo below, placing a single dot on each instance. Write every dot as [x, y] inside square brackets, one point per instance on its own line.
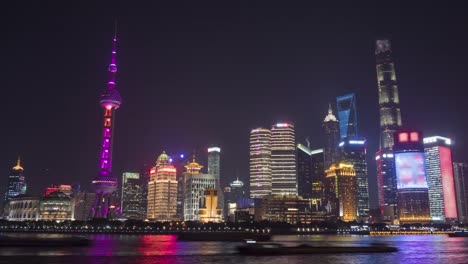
[166, 249]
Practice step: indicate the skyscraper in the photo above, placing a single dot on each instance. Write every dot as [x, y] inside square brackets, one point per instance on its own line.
[387, 184]
[162, 191]
[460, 171]
[389, 102]
[260, 162]
[214, 169]
[132, 194]
[16, 182]
[304, 171]
[340, 190]
[410, 170]
[332, 136]
[347, 115]
[105, 184]
[440, 179]
[283, 160]
[353, 151]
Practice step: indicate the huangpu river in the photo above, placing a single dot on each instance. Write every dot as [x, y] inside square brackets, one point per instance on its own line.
[166, 249]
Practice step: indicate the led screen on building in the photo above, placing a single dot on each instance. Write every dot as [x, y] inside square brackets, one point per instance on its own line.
[410, 170]
[448, 184]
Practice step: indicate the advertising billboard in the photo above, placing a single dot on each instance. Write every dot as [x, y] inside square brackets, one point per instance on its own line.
[448, 182]
[410, 170]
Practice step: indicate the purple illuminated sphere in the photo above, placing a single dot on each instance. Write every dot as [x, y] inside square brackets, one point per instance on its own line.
[110, 97]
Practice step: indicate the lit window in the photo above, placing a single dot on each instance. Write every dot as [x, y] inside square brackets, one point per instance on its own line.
[107, 132]
[108, 112]
[403, 137]
[414, 137]
[107, 122]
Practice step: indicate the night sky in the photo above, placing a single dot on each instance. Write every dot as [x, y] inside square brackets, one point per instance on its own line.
[192, 75]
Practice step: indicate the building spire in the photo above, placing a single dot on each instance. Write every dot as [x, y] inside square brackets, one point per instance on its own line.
[113, 65]
[18, 164]
[330, 116]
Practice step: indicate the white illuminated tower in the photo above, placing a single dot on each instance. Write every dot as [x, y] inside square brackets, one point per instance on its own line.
[105, 184]
[214, 169]
[283, 160]
[260, 162]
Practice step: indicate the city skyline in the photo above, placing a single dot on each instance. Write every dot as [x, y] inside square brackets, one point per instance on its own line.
[152, 70]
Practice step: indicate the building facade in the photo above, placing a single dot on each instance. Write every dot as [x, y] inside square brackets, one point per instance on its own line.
[23, 208]
[162, 191]
[353, 151]
[260, 162]
[132, 195]
[209, 211]
[83, 205]
[347, 115]
[56, 206]
[214, 164]
[410, 171]
[332, 138]
[283, 160]
[292, 209]
[104, 183]
[440, 179]
[460, 172]
[340, 189]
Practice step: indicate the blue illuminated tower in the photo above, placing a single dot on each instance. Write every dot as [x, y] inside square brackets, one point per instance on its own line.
[347, 115]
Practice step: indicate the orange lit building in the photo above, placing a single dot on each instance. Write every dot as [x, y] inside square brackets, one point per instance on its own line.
[340, 190]
[209, 212]
[162, 191]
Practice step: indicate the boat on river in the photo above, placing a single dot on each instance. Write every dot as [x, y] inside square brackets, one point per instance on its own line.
[254, 248]
[462, 233]
[40, 241]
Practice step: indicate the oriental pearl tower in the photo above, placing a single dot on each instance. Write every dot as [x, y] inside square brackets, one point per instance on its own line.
[104, 183]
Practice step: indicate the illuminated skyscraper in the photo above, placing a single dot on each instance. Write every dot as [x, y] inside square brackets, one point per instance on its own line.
[162, 191]
[260, 162]
[460, 171]
[310, 172]
[16, 182]
[340, 189]
[283, 160]
[387, 184]
[214, 169]
[132, 194]
[440, 180]
[389, 102]
[347, 115]
[410, 170]
[105, 184]
[353, 151]
[196, 184]
[332, 136]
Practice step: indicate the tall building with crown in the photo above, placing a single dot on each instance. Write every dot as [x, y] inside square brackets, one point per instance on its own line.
[16, 183]
[162, 191]
[196, 184]
[340, 188]
[331, 131]
[105, 184]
